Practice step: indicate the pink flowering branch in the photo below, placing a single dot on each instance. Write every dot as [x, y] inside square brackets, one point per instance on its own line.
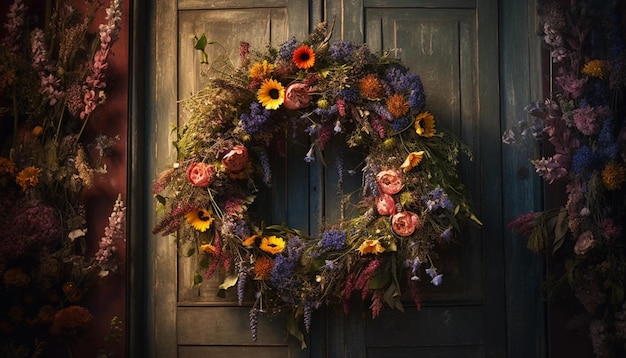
[95, 83]
[106, 257]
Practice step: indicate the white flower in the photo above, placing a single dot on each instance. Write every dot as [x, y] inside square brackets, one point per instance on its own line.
[75, 234]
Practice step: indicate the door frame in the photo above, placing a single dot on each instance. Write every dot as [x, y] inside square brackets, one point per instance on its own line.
[525, 329]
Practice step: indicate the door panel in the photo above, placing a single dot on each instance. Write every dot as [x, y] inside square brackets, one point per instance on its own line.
[445, 42]
[440, 41]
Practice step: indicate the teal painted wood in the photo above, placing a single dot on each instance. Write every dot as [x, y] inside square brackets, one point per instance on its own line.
[520, 78]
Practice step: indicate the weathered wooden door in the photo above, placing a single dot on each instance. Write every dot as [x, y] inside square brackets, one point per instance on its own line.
[452, 45]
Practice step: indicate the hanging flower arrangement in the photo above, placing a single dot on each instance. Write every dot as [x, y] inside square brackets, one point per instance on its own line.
[340, 94]
[584, 127]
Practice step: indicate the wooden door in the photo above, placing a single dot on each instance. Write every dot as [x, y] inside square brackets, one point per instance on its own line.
[452, 45]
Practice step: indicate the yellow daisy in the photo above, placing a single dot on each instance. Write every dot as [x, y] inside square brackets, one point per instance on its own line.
[371, 247]
[397, 105]
[272, 244]
[613, 175]
[425, 124]
[28, 177]
[261, 69]
[412, 160]
[271, 94]
[200, 219]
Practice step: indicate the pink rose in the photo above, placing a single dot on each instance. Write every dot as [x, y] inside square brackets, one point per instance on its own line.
[200, 174]
[405, 223]
[297, 96]
[385, 205]
[236, 160]
[389, 181]
[584, 243]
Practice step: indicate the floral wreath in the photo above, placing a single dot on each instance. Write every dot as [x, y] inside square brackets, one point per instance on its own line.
[411, 200]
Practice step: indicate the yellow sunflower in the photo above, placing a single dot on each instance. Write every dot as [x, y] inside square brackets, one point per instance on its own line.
[613, 175]
[425, 124]
[303, 57]
[412, 160]
[272, 244]
[28, 177]
[397, 105]
[271, 94]
[261, 69]
[371, 246]
[200, 219]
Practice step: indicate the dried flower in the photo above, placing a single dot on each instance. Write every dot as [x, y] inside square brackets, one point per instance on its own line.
[28, 177]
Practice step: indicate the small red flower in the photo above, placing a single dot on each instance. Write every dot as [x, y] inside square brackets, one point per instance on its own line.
[303, 57]
[236, 159]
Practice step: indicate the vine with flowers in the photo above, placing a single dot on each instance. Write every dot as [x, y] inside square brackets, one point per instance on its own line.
[53, 76]
[411, 200]
[584, 122]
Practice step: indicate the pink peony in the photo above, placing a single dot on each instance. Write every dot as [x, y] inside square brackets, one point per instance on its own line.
[236, 160]
[405, 223]
[297, 96]
[389, 181]
[385, 205]
[200, 174]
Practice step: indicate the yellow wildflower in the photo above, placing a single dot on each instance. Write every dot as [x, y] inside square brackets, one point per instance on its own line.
[7, 166]
[613, 175]
[412, 160]
[200, 219]
[595, 68]
[261, 69]
[371, 246]
[272, 244]
[425, 124]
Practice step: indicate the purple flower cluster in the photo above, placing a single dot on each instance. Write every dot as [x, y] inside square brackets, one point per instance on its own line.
[14, 24]
[254, 121]
[333, 239]
[401, 81]
[437, 199]
[341, 51]
[286, 50]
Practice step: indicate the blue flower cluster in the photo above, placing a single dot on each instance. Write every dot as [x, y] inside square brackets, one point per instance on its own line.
[286, 50]
[585, 160]
[253, 123]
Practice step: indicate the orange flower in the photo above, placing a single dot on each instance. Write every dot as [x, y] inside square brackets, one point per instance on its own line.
[249, 242]
[370, 87]
[371, 247]
[303, 57]
[208, 248]
[28, 177]
[37, 131]
[263, 268]
[412, 160]
[397, 105]
[7, 166]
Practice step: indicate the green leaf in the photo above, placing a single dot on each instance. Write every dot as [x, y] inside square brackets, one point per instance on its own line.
[201, 43]
[191, 251]
[229, 281]
[560, 230]
[379, 280]
[292, 328]
[204, 262]
[197, 279]
[160, 199]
